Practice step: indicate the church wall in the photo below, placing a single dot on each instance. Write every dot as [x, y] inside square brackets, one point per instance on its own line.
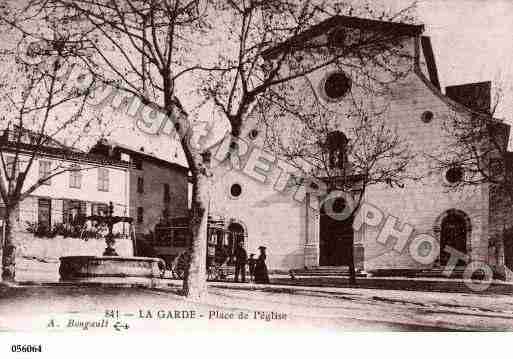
[277, 222]
[420, 203]
[269, 218]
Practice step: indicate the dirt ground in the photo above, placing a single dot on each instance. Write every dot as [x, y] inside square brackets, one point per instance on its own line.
[247, 308]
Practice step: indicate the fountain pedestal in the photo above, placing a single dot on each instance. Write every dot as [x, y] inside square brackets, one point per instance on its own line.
[112, 269]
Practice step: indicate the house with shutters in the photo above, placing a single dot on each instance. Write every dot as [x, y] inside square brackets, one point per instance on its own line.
[91, 183]
[51, 220]
[157, 188]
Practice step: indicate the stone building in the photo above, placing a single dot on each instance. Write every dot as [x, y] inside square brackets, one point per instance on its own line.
[49, 222]
[87, 190]
[157, 189]
[250, 194]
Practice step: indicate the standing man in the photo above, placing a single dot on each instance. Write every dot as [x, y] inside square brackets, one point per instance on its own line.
[241, 258]
[251, 265]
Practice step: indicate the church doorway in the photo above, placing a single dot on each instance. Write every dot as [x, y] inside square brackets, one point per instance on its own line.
[454, 233]
[336, 238]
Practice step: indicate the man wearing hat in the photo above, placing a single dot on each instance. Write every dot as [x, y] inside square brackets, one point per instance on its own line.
[241, 258]
[251, 265]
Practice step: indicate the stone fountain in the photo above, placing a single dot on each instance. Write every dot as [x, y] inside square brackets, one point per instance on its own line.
[111, 268]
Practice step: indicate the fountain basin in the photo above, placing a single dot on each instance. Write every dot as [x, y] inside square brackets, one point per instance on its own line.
[115, 269]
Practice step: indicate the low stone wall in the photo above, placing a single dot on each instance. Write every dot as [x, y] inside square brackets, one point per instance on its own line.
[38, 258]
[27, 245]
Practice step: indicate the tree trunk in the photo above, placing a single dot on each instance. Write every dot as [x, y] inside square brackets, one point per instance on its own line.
[8, 248]
[194, 284]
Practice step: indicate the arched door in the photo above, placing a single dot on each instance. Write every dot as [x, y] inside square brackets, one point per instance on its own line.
[454, 232]
[336, 239]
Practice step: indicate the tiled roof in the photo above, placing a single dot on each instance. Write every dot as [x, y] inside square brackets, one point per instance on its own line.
[52, 148]
[396, 28]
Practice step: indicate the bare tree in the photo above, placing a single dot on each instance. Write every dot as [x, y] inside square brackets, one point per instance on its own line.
[347, 148]
[276, 56]
[273, 57]
[476, 157]
[476, 151]
[141, 49]
[150, 48]
[38, 107]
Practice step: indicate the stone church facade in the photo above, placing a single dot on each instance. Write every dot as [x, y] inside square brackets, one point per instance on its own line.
[289, 222]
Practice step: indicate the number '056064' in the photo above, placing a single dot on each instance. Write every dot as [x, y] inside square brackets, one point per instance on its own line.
[25, 348]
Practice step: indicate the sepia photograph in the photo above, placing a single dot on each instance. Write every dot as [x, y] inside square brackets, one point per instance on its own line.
[254, 166]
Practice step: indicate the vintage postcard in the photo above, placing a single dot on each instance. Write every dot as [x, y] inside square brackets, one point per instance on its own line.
[244, 166]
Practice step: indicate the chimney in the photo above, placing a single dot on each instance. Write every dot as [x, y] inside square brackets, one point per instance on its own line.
[101, 148]
[476, 96]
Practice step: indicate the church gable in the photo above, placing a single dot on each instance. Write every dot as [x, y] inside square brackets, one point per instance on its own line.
[403, 92]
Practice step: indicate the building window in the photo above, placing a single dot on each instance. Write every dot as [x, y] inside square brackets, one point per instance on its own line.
[336, 145]
[167, 195]
[496, 168]
[253, 134]
[44, 210]
[335, 86]
[99, 209]
[45, 171]
[427, 116]
[454, 174]
[74, 212]
[138, 163]
[103, 179]
[235, 190]
[140, 185]
[75, 177]
[140, 215]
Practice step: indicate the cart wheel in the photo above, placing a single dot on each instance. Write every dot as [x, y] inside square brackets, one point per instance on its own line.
[162, 268]
[181, 265]
[180, 273]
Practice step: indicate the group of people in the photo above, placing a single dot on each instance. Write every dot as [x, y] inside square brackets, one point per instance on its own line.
[257, 267]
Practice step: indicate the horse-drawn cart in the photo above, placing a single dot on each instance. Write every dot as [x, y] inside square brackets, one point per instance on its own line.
[173, 241]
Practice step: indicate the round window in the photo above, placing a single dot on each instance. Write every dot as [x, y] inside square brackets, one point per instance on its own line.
[336, 86]
[253, 134]
[427, 116]
[235, 190]
[454, 174]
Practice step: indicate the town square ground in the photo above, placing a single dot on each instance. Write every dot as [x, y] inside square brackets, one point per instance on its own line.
[285, 305]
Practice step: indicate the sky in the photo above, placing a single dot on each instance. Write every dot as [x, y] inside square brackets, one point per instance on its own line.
[472, 42]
